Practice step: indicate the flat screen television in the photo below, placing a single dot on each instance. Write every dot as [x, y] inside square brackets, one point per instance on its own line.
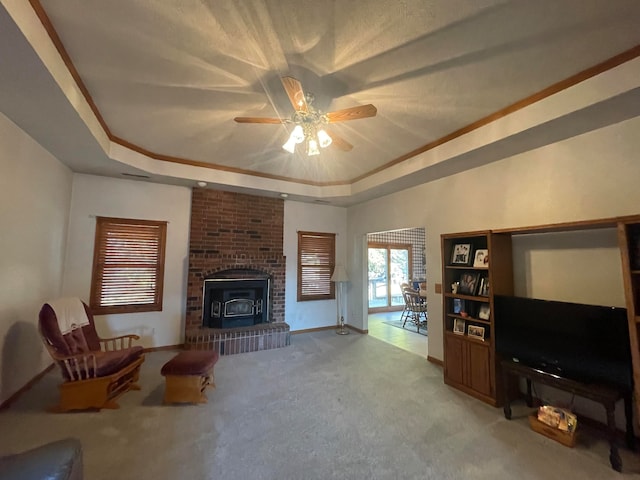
[587, 343]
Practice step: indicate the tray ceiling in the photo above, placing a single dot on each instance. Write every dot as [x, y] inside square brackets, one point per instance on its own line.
[167, 78]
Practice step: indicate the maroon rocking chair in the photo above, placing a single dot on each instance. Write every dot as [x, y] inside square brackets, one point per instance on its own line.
[95, 371]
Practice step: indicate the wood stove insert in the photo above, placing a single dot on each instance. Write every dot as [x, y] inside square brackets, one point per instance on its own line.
[235, 302]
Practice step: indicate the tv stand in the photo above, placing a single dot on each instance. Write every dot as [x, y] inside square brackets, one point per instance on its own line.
[605, 395]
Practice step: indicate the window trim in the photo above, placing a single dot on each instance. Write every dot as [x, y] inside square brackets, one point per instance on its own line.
[102, 229]
[330, 237]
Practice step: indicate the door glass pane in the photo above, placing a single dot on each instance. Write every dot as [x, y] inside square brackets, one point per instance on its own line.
[378, 293]
[399, 274]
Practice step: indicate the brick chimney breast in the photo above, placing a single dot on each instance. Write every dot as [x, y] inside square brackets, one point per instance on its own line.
[232, 231]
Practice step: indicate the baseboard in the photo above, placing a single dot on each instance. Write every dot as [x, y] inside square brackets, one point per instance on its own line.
[179, 346]
[331, 327]
[7, 403]
[437, 361]
[363, 332]
[309, 330]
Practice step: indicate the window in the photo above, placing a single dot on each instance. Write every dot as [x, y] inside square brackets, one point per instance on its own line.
[128, 266]
[389, 267]
[316, 260]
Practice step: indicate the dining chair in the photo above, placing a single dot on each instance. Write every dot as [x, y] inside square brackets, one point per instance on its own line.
[405, 310]
[416, 308]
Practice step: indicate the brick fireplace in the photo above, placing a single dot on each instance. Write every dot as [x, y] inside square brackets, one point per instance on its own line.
[232, 232]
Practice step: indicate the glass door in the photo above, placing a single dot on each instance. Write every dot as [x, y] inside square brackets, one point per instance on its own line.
[389, 267]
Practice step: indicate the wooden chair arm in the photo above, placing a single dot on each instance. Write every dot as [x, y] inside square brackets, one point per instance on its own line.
[117, 343]
[78, 367]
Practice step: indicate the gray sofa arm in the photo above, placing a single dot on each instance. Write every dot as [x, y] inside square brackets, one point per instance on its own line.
[61, 460]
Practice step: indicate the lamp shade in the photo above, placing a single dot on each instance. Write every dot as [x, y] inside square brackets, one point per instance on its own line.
[290, 146]
[323, 138]
[312, 147]
[339, 274]
[298, 134]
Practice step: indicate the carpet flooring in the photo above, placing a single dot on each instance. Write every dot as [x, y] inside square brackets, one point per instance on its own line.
[326, 407]
[409, 326]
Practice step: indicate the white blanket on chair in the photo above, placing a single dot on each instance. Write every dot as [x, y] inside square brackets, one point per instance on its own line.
[70, 314]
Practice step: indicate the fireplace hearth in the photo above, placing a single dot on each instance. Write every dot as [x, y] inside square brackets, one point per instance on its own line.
[236, 314]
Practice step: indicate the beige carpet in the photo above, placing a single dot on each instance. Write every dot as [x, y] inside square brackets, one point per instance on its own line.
[327, 407]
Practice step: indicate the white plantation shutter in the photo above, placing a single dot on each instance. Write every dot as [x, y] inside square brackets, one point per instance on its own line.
[128, 266]
[316, 261]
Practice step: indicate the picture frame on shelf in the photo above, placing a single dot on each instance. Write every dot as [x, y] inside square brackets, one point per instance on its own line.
[468, 283]
[461, 254]
[484, 312]
[458, 306]
[483, 287]
[458, 326]
[476, 332]
[481, 258]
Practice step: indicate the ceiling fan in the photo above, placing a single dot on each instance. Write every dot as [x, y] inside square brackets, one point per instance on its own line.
[311, 123]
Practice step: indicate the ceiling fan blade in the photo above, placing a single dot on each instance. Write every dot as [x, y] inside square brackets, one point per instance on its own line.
[353, 113]
[339, 142]
[258, 120]
[296, 95]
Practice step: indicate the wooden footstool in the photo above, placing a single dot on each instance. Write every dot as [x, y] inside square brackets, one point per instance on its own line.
[187, 375]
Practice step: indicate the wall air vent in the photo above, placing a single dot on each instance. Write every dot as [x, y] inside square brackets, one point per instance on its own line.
[134, 175]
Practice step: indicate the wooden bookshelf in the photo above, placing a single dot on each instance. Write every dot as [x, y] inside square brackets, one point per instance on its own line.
[470, 360]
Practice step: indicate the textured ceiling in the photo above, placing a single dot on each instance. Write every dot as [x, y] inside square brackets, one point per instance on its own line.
[169, 77]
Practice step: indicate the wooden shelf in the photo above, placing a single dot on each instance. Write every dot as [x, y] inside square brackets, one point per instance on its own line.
[567, 226]
[477, 340]
[629, 242]
[464, 336]
[462, 267]
[470, 362]
[470, 319]
[473, 298]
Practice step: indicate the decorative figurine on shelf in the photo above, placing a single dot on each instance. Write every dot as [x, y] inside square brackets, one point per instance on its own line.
[454, 287]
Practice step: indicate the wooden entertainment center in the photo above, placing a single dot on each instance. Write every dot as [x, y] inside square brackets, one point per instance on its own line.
[470, 284]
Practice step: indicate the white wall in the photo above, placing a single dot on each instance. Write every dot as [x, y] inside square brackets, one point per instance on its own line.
[101, 196]
[314, 218]
[581, 267]
[35, 192]
[594, 175]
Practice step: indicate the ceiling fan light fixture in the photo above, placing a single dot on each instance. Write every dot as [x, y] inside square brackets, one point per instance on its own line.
[290, 146]
[312, 147]
[324, 139]
[308, 122]
[297, 135]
